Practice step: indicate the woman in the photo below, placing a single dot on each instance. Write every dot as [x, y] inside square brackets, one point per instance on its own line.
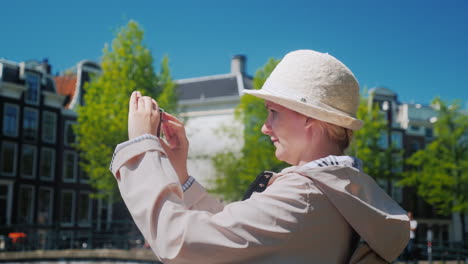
[311, 212]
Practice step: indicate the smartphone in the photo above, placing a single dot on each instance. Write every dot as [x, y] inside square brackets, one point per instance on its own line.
[161, 114]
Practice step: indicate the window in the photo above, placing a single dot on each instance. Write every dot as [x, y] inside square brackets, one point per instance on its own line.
[104, 216]
[25, 204]
[65, 240]
[47, 164]
[45, 204]
[69, 137]
[69, 166]
[429, 132]
[28, 161]
[33, 84]
[397, 139]
[397, 193]
[8, 165]
[30, 124]
[414, 146]
[84, 209]
[49, 121]
[5, 202]
[67, 209]
[383, 140]
[10, 120]
[84, 178]
[397, 163]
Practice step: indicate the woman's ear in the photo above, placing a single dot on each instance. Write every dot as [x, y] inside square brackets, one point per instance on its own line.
[308, 122]
[309, 125]
[313, 126]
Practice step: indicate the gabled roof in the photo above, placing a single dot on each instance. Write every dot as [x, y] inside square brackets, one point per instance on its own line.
[71, 83]
[16, 73]
[213, 86]
[66, 85]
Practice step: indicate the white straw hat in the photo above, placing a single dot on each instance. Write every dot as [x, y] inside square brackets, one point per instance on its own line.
[316, 85]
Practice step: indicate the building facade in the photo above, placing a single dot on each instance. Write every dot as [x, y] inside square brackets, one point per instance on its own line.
[411, 128]
[44, 196]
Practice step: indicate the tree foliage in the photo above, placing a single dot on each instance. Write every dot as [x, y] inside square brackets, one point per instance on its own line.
[440, 171]
[236, 170]
[102, 122]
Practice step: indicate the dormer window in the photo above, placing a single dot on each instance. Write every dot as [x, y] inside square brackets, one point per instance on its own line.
[33, 84]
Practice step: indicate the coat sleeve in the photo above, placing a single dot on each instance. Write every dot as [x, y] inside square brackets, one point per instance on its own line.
[195, 197]
[237, 233]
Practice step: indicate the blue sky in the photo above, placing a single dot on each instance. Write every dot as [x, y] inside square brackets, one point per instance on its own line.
[417, 48]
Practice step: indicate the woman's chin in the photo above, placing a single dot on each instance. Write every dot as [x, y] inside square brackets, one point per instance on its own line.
[280, 155]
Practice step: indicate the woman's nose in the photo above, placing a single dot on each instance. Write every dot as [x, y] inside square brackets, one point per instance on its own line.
[266, 129]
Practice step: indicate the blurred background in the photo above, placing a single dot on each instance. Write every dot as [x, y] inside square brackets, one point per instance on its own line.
[67, 69]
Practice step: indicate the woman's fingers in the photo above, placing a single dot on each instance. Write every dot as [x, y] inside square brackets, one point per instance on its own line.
[133, 104]
[174, 133]
[143, 115]
[148, 101]
[174, 128]
[141, 104]
[154, 104]
[172, 118]
[170, 134]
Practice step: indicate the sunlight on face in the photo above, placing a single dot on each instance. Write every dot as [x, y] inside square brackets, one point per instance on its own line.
[286, 129]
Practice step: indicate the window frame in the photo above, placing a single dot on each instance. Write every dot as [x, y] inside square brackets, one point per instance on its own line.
[30, 219]
[38, 99]
[73, 207]
[68, 125]
[51, 204]
[382, 142]
[15, 159]
[75, 166]
[81, 174]
[54, 129]
[398, 158]
[9, 197]
[36, 111]
[90, 206]
[52, 170]
[397, 139]
[17, 119]
[34, 162]
[103, 205]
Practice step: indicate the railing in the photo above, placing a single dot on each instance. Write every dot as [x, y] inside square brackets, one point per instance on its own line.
[450, 252]
[124, 235]
[118, 235]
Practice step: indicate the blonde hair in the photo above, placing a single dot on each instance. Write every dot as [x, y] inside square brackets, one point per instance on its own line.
[340, 135]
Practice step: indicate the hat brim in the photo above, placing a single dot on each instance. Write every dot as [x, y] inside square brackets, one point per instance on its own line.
[310, 109]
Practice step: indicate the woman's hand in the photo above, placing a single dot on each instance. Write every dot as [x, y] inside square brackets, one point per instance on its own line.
[176, 145]
[143, 115]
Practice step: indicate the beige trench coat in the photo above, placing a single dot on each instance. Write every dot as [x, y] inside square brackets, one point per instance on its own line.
[292, 221]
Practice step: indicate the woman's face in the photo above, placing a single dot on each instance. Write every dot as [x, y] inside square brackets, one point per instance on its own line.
[287, 131]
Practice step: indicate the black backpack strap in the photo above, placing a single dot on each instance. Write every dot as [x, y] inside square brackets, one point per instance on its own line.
[259, 184]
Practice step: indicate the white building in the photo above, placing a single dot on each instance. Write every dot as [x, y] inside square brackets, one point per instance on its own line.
[207, 105]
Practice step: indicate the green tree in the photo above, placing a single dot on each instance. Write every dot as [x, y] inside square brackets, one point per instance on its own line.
[168, 98]
[102, 122]
[378, 161]
[440, 171]
[237, 170]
